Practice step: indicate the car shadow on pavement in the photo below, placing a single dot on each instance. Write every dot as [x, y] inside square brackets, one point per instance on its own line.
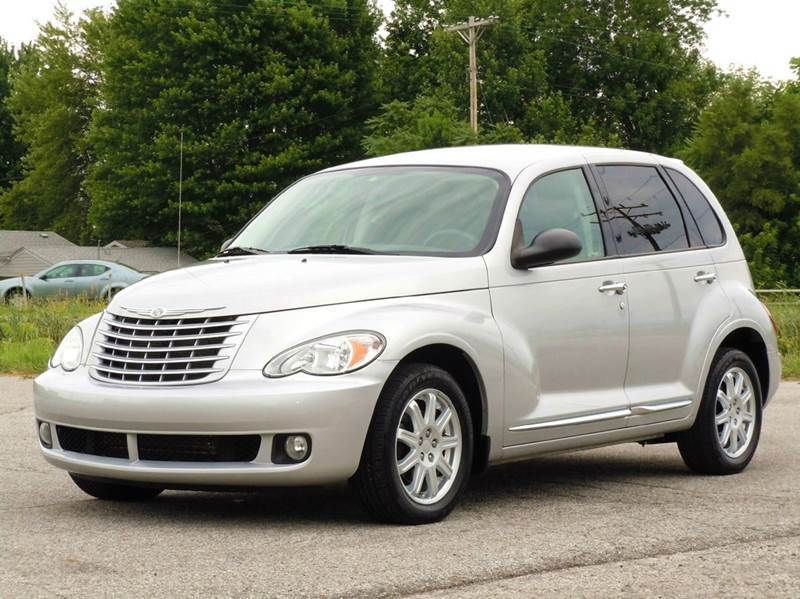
[548, 479]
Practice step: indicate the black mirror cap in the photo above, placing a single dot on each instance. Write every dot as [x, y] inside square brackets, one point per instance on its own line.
[225, 244]
[547, 247]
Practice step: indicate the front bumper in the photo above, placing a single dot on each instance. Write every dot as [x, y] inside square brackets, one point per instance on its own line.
[334, 411]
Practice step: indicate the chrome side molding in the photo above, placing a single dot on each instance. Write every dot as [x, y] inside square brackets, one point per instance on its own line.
[602, 416]
[613, 414]
[659, 407]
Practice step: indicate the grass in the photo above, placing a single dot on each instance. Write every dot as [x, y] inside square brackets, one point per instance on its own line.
[786, 313]
[30, 333]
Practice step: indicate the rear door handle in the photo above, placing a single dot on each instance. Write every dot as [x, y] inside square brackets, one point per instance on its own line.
[617, 287]
[705, 277]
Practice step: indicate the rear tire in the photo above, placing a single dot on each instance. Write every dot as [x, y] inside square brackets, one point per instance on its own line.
[726, 431]
[418, 453]
[114, 491]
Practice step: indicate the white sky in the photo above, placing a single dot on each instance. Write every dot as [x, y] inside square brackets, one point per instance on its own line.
[756, 33]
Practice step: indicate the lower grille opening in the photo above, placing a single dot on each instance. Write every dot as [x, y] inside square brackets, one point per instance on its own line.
[99, 443]
[199, 448]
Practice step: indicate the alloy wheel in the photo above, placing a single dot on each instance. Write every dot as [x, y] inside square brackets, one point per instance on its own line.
[429, 446]
[735, 412]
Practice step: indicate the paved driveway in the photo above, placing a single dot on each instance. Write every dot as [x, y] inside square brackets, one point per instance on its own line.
[622, 521]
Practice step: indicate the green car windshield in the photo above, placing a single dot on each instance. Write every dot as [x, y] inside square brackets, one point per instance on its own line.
[450, 211]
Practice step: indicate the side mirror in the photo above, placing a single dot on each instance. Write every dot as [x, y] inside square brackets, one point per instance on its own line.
[225, 244]
[547, 247]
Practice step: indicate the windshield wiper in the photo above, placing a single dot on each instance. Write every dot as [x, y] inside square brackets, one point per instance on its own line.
[241, 251]
[331, 249]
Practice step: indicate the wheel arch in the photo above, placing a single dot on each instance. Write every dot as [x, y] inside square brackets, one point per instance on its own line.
[11, 290]
[463, 368]
[751, 342]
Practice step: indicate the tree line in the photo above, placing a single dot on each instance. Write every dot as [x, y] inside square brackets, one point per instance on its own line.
[265, 91]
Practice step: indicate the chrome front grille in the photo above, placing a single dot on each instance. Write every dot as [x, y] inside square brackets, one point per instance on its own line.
[130, 350]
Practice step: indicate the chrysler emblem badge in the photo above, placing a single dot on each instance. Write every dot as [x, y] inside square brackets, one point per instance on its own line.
[159, 312]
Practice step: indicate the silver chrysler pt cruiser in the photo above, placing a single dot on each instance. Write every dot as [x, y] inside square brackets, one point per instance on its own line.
[405, 321]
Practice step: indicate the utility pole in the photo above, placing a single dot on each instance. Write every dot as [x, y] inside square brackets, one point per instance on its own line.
[471, 32]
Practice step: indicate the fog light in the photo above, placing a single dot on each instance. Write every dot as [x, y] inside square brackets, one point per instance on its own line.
[296, 447]
[45, 436]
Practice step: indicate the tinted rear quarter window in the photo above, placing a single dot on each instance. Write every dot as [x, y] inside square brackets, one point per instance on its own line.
[644, 215]
[701, 210]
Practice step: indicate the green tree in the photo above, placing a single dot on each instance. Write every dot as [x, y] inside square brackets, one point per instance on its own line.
[53, 91]
[426, 122]
[609, 72]
[404, 69]
[747, 148]
[10, 148]
[264, 92]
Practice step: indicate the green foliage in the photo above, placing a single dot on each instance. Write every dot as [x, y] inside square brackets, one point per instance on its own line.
[427, 122]
[405, 63]
[785, 310]
[30, 333]
[584, 71]
[53, 91]
[10, 147]
[264, 92]
[747, 148]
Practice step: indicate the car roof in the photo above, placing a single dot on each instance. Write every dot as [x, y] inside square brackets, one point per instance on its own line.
[100, 262]
[510, 158]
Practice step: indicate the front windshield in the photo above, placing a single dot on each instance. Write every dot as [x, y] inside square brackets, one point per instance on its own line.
[387, 210]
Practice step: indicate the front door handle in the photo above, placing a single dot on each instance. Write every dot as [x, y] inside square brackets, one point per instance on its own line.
[705, 277]
[617, 287]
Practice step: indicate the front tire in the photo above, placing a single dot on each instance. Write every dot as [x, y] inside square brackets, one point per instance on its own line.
[728, 425]
[418, 453]
[15, 297]
[114, 491]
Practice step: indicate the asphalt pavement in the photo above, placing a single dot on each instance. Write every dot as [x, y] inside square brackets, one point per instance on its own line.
[622, 521]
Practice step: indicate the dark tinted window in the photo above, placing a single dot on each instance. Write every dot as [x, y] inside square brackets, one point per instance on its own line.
[643, 213]
[562, 200]
[701, 210]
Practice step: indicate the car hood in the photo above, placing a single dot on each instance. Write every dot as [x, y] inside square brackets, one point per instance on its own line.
[268, 283]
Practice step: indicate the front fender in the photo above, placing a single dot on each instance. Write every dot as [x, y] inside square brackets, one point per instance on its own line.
[461, 319]
[8, 286]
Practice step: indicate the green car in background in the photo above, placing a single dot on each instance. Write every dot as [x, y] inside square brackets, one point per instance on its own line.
[72, 278]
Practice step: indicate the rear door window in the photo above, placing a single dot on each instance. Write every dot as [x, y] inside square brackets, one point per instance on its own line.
[92, 270]
[701, 211]
[643, 213]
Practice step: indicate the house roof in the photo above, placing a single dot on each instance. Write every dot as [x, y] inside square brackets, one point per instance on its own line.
[128, 243]
[150, 259]
[11, 241]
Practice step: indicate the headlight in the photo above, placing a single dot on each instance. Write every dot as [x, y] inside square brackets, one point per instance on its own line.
[337, 354]
[70, 351]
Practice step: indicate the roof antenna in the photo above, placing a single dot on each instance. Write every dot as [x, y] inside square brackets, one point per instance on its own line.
[180, 199]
